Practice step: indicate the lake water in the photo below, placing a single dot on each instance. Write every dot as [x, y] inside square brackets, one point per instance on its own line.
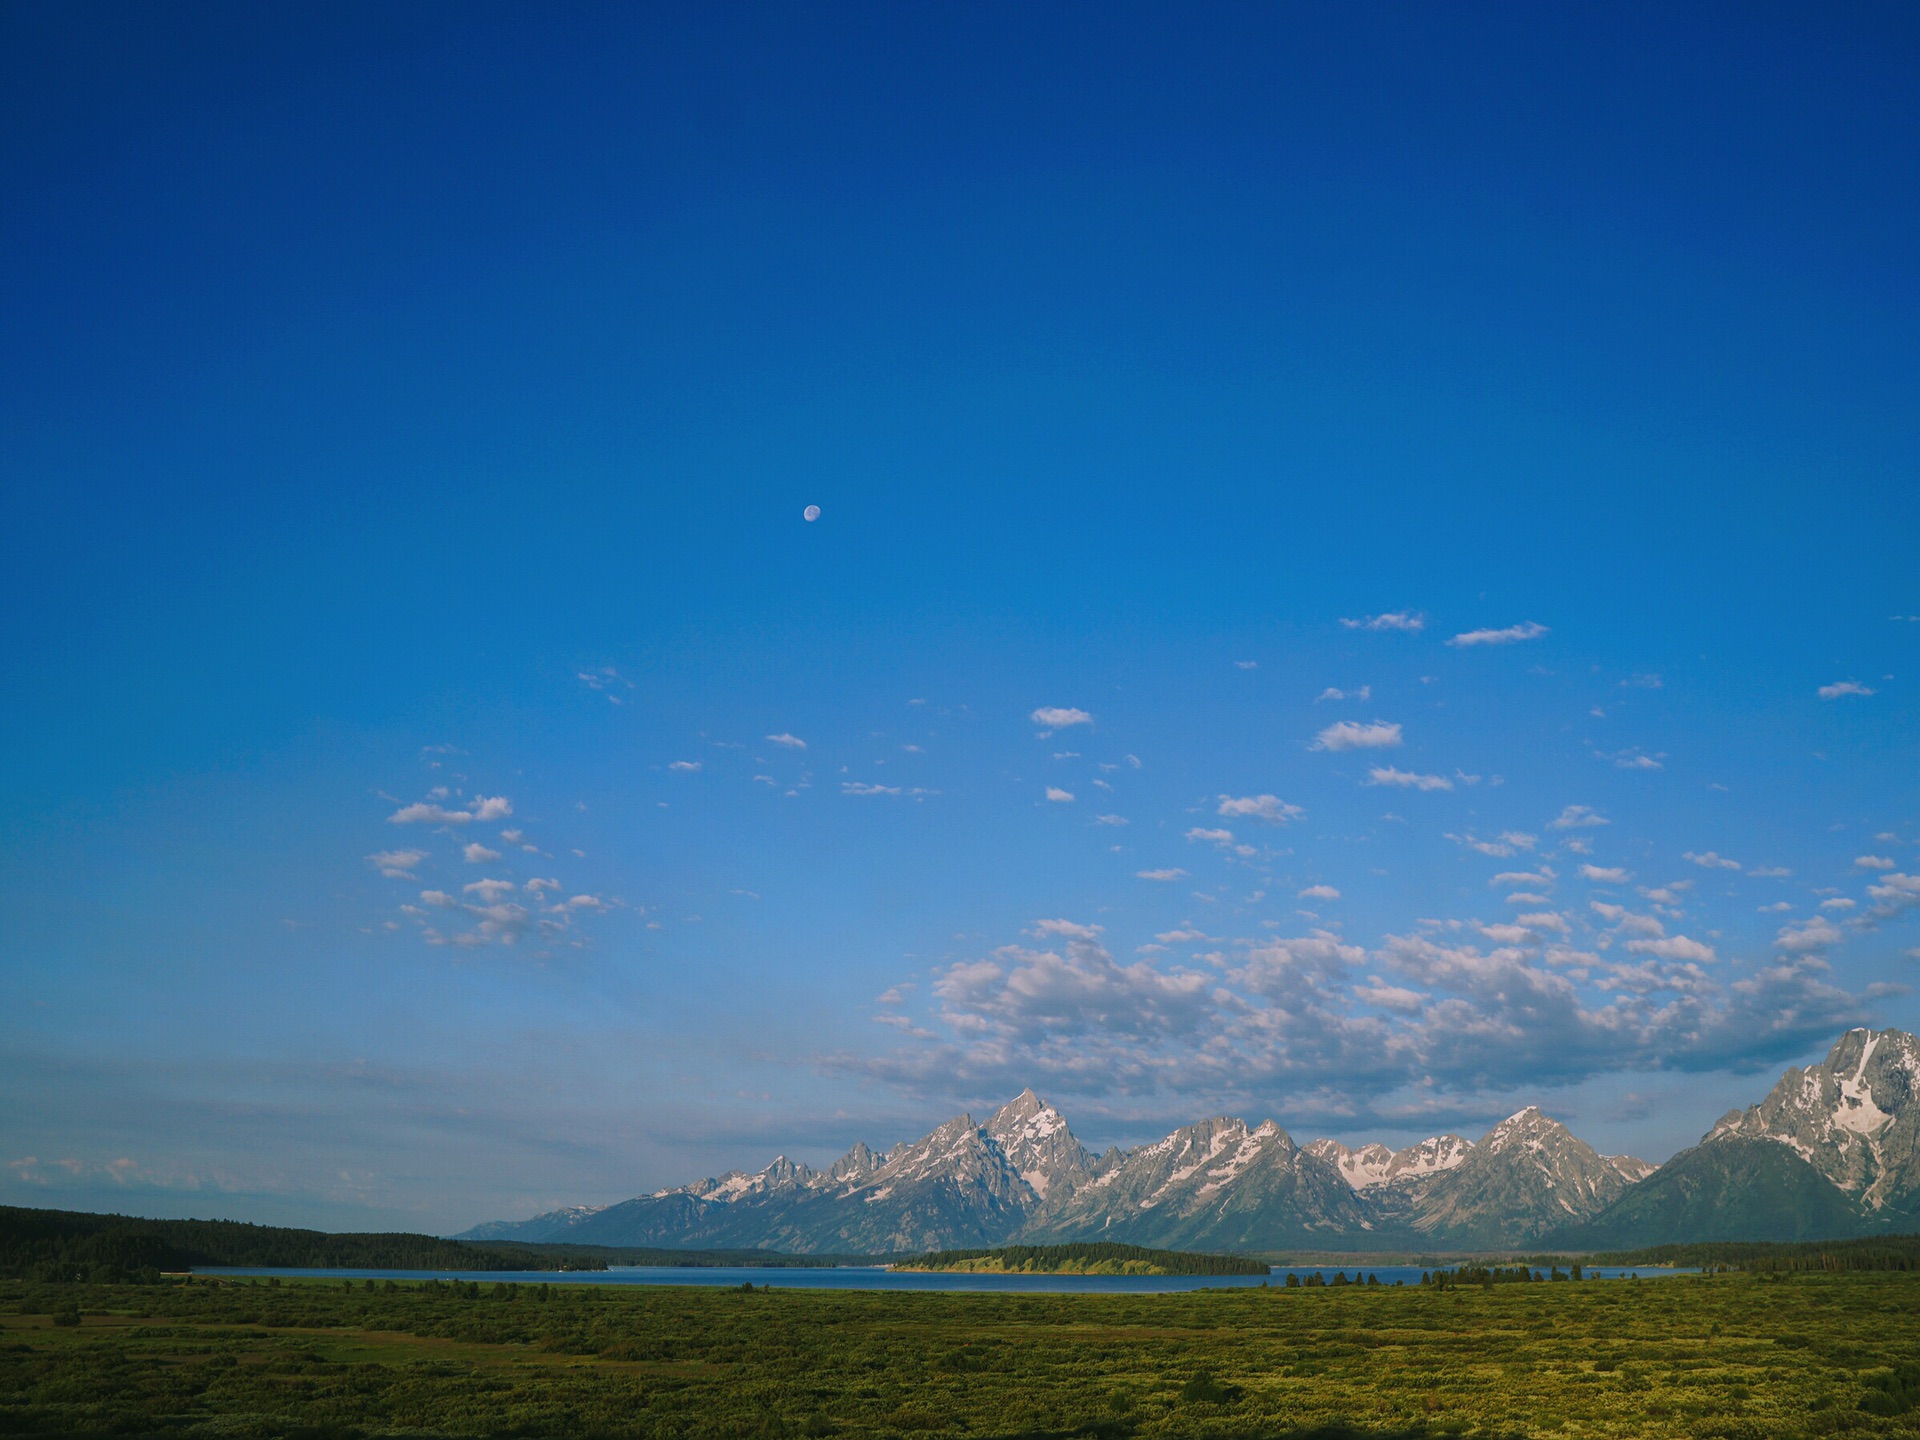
[876, 1277]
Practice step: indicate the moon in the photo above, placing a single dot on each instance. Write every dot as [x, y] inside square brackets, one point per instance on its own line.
[810, 514]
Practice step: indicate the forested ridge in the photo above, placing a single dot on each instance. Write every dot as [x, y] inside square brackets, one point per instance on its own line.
[67, 1245]
[74, 1245]
[1877, 1252]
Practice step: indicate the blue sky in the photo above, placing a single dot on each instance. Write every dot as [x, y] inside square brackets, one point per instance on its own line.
[1365, 576]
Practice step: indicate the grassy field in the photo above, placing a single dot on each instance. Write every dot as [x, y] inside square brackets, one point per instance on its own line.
[1720, 1356]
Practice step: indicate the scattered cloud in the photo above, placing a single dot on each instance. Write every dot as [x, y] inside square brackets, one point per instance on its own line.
[1270, 808]
[1874, 862]
[1816, 933]
[1633, 758]
[606, 681]
[1406, 779]
[1069, 929]
[431, 812]
[1577, 817]
[397, 864]
[1056, 717]
[1494, 848]
[792, 742]
[1894, 893]
[1770, 872]
[1605, 874]
[1059, 796]
[1161, 875]
[1247, 664]
[1351, 735]
[1412, 1027]
[1109, 819]
[861, 787]
[1320, 892]
[1840, 688]
[489, 890]
[1405, 620]
[1711, 861]
[1674, 947]
[1513, 634]
[1543, 877]
[478, 854]
[1642, 682]
[1215, 837]
[1364, 693]
[684, 767]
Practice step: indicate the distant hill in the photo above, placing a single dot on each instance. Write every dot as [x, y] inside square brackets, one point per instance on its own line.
[57, 1245]
[74, 1245]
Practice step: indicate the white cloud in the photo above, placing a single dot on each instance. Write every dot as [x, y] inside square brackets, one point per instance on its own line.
[792, 742]
[1067, 928]
[1059, 796]
[1056, 717]
[1162, 875]
[1525, 630]
[1674, 947]
[478, 854]
[438, 898]
[1632, 759]
[1844, 687]
[1577, 817]
[1415, 1027]
[1770, 872]
[1217, 837]
[1874, 862]
[1627, 921]
[1816, 933]
[684, 767]
[430, 812]
[1405, 620]
[1270, 808]
[1711, 861]
[1839, 902]
[489, 891]
[1642, 682]
[397, 864]
[1365, 692]
[1544, 920]
[1542, 877]
[860, 787]
[1406, 779]
[1893, 894]
[1320, 892]
[1499, 849]
[1351, 735]
[536, 885]
[1109, 819]
[1247, 664]
[1605, 874]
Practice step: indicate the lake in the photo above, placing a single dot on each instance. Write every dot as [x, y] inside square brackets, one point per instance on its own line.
[877, 1277]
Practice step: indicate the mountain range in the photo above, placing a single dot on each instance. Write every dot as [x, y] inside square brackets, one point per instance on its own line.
[1832, 1151]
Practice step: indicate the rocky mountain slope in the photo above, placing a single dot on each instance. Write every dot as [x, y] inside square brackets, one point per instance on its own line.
[1833, 1150]
[1215, 1185]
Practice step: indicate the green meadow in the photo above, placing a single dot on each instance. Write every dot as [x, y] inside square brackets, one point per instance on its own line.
[1733, 1355]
